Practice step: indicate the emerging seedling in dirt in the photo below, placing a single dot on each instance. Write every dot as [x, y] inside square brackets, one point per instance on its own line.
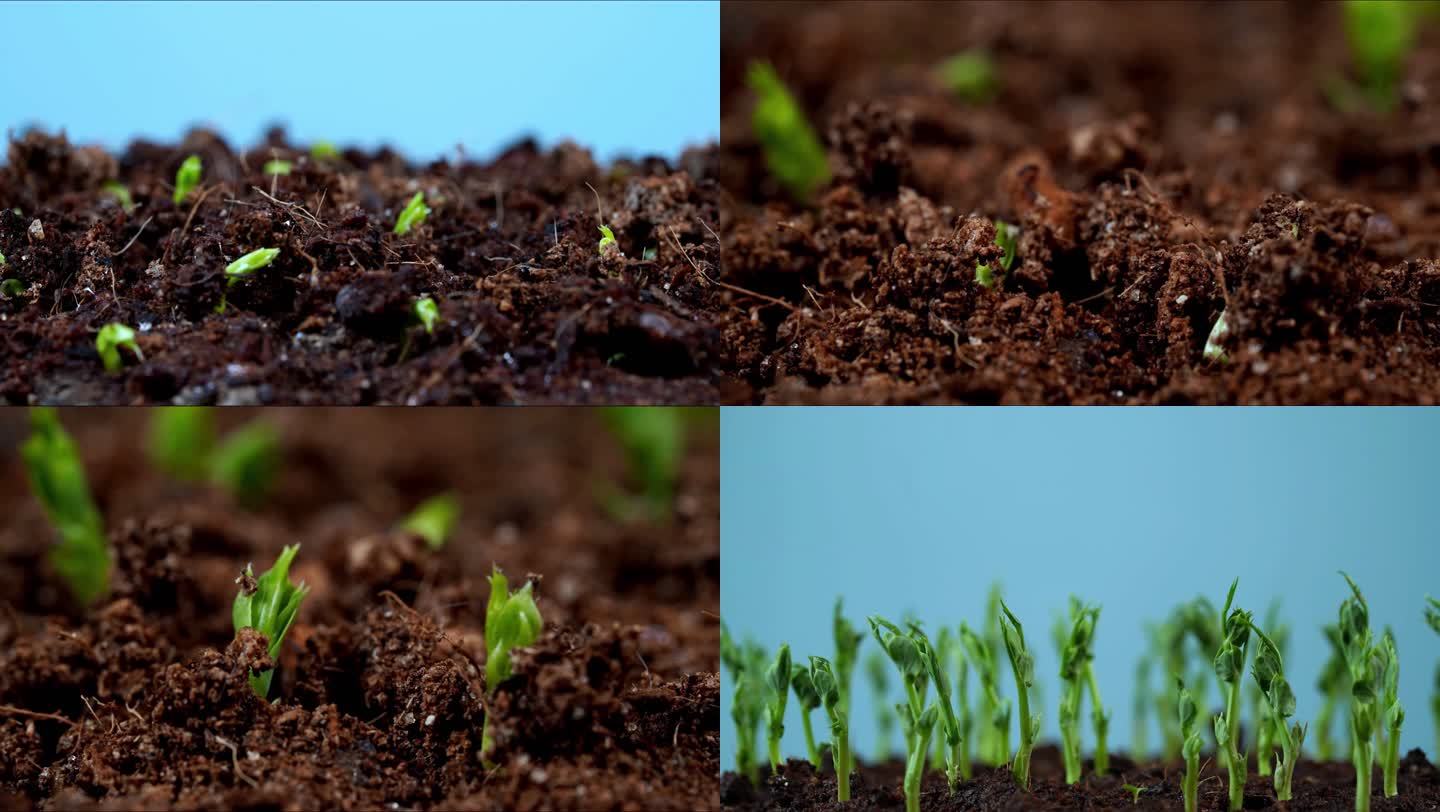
[182, 439]
[822, 676]
[433, 520]
[1077, 654]
[269, 605]
[512, 621]
[918, 729]
[1214, 350]
[809, 700]
[878, 674]
[1006, 237]
[1189, 713]
[777, 684]
[987, 670]
[121, 193]
[1269, 674]
[1392, 713]
[653, 439]
[792, 151]
[1358, 645]
[1230, 669]
[324, 151]
[57, 478]
[412, 215]
[10, 288]
[277, 166]
[1380, 34]
[110, 340]
[1022, 664]
[1266, 737]
[244, 267]
[1134, 793]
[1334, 686]
[187, 177]
[745, 663]
[426, 312]
[247, 463]
[1432, 617]
[847, 647]
[956, 766]
[970, 75]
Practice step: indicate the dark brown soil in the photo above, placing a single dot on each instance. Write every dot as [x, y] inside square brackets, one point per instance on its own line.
[1317, 786]
[1164, 161]
[379, 698]
[530, 311]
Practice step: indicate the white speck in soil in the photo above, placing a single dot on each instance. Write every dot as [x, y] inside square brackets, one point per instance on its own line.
[975, 341]
[538, 775]
[1182, 298]
[430, 720]
[1260, 367]
[143, 326]
[36, 230]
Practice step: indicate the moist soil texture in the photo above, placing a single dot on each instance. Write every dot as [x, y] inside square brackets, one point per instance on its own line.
[378, 699]
[1315, 786]
[530, 309]
[1164, 162]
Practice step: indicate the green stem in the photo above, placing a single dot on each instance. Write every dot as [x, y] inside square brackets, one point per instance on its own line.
[1392, 763]
[915, 770]
[1232, 715]
[967, 771]
[1100, 722]
[840, 757]
[1021, 768]
[810, 747]
[1070, 731]
[1324, 744]
[1263, 748]
[1364, 763]
[1236, 767]
[1191, 784]
[774, 754]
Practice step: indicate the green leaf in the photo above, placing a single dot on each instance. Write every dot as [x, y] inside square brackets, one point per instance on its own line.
[970, 75]
[57, 478]
[427, 312]
[181, 440]
[412, 215]
[250, 263]
[434, 520]
[187, 177]
[110, 340]
[512, 620]
[247, 463]
[792, 151]
[324, 151]
[804, 688]
[270, 607]
[1432, 613]
[607, 237]
[1214, 351]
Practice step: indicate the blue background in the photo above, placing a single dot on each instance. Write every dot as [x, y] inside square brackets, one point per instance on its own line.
[631, 78]
[921, 509]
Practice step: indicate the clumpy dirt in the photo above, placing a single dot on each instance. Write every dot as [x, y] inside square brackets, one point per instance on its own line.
[379, 698]
[1164, 162]
[530, 310]
[1316, 786]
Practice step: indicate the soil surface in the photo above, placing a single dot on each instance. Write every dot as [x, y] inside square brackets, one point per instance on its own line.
[379, 697]
[1164, 162]
[530, 310]
[1316, 786]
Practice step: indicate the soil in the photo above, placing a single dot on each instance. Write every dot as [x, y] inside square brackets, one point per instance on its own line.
[1316, 786]
[379, 697]
[530, 310]
[1165, 162]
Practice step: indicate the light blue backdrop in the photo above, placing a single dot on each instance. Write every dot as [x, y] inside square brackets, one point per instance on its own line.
[634, 78]
[921, 509]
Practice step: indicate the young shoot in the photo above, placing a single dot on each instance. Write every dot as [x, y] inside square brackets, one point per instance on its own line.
[879, 677]
[1134, 793]
[1006, 237]
[187, 177]
[412, 215]
[269, 605]
[919, 726]
[249, 264]
[511, 621]
[970, 75]
[827, 687]
[777, 682]
[1230, 669]
[57, 478]
[1380, 34]
[181, 441]
[653, 438]
[809, 700]
[426, 312]
[1393, 712]
[1076, 653]
[433, 520]
[1140, 708]
[934, 657]
[745, 663]
[607, 240]
[10, 288]
[324, 151]
[246, 463]
[121, 193]
[110, 340]
[1189, 713]
[1269, 673]
[277, 166]
[792, 151]
[1022, 664]
[1266, 738]
[1358, 645]
[847, 647]
[1214, 351]
[1334, 685]
[997, 708]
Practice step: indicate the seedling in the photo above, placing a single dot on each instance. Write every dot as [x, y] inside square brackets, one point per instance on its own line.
[244, 267]
[1189, 713]
[412, 215]
[427, 312]
[1334, 685]
[654, 442]
[1380, 34]
[1140, 708]
[324, 151]
[1432, 617]
[1213, 350]
[1269, 674]
[1230, 669]
[1394, 712]
[187, 177]
[744, 664]
[511, 621]
[777, 682]
[987, 670]
[269, 605]
[607, 238]
[181, 441]
[970, 75]
[822, 676]
[885, 717]
[1006, 237]
[792, 151]
[11, 288]
[847, 646]
[2, 260]
[1134, 793]
[434, 520]
[1077, 653]
[1266, 736]
[1356, 642]
[934, 657]
[57, 478]
[809, 701]
[112, 338]
[122, 195]
[277, 166]
[919, 727]
[1022, 664]
[246, 464]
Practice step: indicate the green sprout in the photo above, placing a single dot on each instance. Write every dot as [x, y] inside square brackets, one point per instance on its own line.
[847, 646]
[1077, 653]
[970, 75]
[249, 264]
[1229, 666]
[607, 238]
[995, 707]
[1139, 731]
[918, 727]
[1189, 713]
[2, 259]
[412, 215]
[181, 441]
[1357, 643]
[1269, 673]
[653, 438]
[934, 657]
[427, 312]
[1134, 793]
[1022, 664]
[324, 151]
[962, 703]
[822, 676]
[511, 621]
[277, 166]
[809, 701]
[1334, 685]
[1393, 712]
[648, 254]
[792, 151]
[1213, 349]
[1380, 34]
[1432, 617]
[57, 478]
[269, 605]
[121, 192]
[247, 463]
[11, 288]
[885, 717]
[112, 338]
[1265, 734]
[777, 681]
[433, 520]
[744, 662]
[1006, 237]
[187, 177]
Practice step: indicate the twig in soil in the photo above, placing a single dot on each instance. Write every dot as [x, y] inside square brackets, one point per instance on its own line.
[196, 207]
[14, 711]
[294, 208]
[1103, 293]
[726, 285]
[134, 238]
[235, 760]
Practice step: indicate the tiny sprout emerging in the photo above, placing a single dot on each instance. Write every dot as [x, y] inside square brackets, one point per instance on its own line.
[122, 195]
[921, 726]
[809, 701]
[970, 75]
[1007, 237]
[607, 238]
[827, 687]
[1393, 712]
[653, 438]
[427, 312]
[1380, 34]
[181, 440]
[1357, 643]
[434, 520]
[1229, 666]
[1022, 663]
[1134, 793]
[57, 478]
[277, 166]
[269, 605]
[1213, 350]
[250, 263]
[247, 462]
[10, 288]
[1189, 713]
[110, 340]
[1269, 674]
[777, 683]
[187, 177]
[412, 215]
[324, 151]
[511, 621]
[792, 151]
